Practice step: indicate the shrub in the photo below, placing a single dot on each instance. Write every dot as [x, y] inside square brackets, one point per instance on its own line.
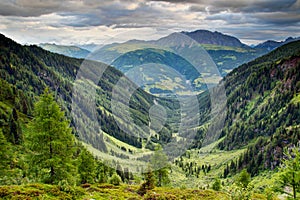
[115, 179]
[155, 196]
[148, 184]
[65, 186]
[216, 185]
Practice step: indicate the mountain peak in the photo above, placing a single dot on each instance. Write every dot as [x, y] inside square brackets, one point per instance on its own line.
[289, 39]
[215, 38]
[272, 44]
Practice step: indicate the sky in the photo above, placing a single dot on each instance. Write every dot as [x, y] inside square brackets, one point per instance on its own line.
[74, 22]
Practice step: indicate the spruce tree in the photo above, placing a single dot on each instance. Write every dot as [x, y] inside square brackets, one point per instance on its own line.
[217, 185]
[51, 142]
[15, 128]
[86, 167]
[102, 172]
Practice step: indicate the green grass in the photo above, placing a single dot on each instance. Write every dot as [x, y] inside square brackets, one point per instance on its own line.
[227, 70]
[103, 191]
[218, 47]
[208, 78]
[296, 99]
[38, 191]
[119, 143]
[230, 57]
[127, 47]
[132, 163]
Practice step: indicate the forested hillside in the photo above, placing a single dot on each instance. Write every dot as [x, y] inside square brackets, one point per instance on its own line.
[263, 108]
[30, 69]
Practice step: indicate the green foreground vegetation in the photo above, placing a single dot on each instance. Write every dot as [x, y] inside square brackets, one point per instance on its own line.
[103, 191]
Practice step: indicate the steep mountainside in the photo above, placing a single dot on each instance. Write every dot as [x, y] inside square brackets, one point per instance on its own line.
[263, 107]
[27, 70]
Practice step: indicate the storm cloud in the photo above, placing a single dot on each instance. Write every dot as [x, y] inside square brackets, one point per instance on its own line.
[81, 21]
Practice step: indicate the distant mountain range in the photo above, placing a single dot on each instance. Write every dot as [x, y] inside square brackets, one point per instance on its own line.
[90, 47]
[271, 44]
[201, 36]
[226, 51]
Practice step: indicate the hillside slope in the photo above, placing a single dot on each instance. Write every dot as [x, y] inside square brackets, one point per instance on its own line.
[263, 108]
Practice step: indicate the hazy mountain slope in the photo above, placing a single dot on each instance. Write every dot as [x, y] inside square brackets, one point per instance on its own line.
[71, 51]
[227, 58]
[160, 77]
[90, 47]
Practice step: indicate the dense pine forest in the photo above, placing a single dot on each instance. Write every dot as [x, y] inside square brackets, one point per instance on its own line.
[43, 155]
[263, 99]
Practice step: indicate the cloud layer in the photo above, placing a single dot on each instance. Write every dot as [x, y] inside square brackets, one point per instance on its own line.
[82, 21]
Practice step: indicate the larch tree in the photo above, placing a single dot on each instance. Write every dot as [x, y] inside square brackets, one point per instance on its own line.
[290, 172]
[51, 142]
[159, 162]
